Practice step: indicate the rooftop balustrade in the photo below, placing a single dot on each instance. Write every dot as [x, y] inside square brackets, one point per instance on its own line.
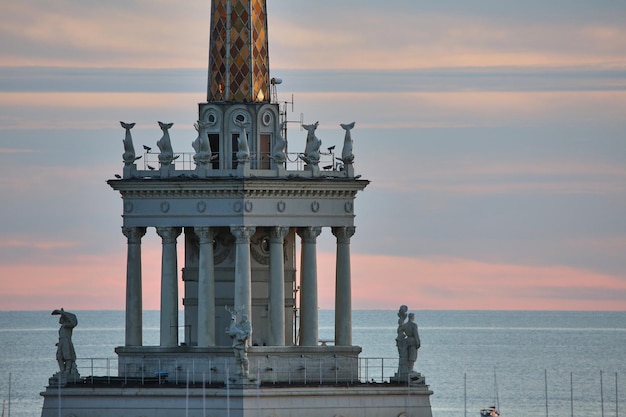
[217, 372]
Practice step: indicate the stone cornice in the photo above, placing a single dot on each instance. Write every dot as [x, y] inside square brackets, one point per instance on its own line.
[238, 188]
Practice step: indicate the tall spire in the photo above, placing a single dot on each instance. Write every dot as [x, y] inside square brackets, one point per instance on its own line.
[238, 53]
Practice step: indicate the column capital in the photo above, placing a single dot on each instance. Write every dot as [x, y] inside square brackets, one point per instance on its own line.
[168, 234]
[344, 233]
[134, 234]
[242, 233]
[278, 233]
[309, 234]
[205, 234]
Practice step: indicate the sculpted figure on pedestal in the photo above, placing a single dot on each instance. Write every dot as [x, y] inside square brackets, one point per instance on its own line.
[201, 145]
[312, 149]
[129, 149]
[66, 356]
[243, 149]
[347, 157]
[408, 343]
[278, 153]
[240, 332]
[165, 145]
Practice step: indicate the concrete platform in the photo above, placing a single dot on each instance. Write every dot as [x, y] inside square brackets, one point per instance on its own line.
[360, 400]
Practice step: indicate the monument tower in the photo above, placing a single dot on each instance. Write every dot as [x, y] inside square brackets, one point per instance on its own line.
[240, 207]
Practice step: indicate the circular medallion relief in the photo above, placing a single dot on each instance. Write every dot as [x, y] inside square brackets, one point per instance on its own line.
[237, 206]
[267, 118]
[165, 207]
[315, 207]
[128, 207]
[260, 250]
[201, 207]
[240, 116]
[281, 206]
[349, 207]
[248, 206]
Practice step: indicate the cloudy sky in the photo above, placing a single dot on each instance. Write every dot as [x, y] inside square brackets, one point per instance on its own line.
[493, 134]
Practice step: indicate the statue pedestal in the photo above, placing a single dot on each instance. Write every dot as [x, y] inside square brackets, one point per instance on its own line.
[203, 170]
[130, 171]
[240, 382]
[61, 380]
[314, 168]
[166, 170]
[349, 170]
[411, 378]
[243, 168]
[280, 170]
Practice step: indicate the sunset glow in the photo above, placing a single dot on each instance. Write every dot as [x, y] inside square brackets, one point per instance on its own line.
[493, 138]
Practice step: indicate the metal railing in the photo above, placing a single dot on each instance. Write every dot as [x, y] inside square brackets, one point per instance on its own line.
[184, 161]
[292, 371]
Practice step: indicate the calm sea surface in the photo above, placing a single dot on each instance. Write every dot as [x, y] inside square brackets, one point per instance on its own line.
[581, 355]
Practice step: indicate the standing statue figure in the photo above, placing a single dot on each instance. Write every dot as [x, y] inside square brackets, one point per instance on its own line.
[400, 338]
[240, 333]
[412, 341]
[66, 356]
[408, 343]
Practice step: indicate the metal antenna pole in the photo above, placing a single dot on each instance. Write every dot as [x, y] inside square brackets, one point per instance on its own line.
[616, 402]
[571, 393]
[601, 395]
[465, 394]
[546, 386]
[9, 405]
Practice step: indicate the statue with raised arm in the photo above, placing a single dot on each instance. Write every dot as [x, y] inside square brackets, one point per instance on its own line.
[240, 332]
[66, 356]
[408, 343]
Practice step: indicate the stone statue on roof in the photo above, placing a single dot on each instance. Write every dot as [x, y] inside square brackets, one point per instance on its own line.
[66, 355]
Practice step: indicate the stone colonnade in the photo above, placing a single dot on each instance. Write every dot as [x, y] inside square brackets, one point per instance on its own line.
[242, 287]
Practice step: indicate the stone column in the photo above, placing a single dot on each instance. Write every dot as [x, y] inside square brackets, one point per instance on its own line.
[190, 285]
[134, 309]
[343, 291]
[243, 277]
[277, 286]
[308, 285]
[206, 288]
[169, 286]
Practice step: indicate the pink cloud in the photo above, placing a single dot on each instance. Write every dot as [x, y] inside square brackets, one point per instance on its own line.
[80, 282]
[384, 282]
[378, 282]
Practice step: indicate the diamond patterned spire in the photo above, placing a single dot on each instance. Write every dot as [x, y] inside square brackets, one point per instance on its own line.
[238, 53]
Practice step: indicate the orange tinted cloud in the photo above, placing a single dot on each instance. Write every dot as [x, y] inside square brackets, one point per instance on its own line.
[378, 282]
[385, 282]
[80, 282]
[396, 39]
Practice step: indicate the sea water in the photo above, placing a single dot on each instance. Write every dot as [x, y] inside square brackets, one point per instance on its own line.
[543, 363]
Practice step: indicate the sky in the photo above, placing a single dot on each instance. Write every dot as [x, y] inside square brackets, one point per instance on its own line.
[493, 134]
